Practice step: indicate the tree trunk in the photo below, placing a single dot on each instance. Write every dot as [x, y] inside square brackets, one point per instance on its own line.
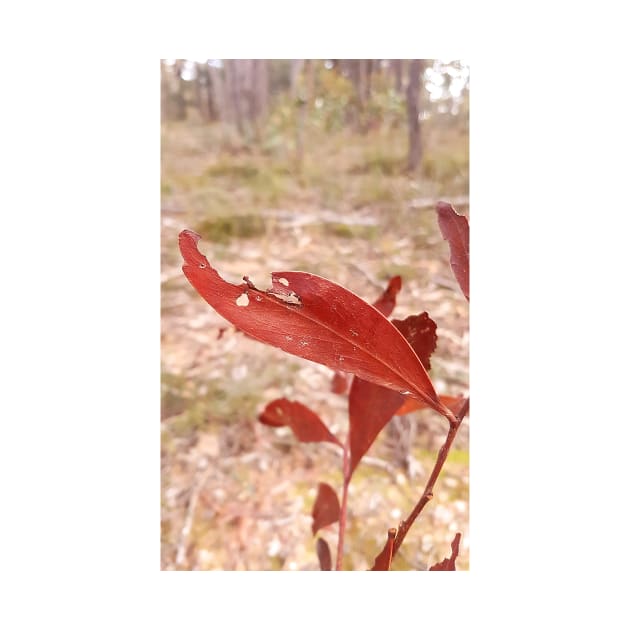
[362, 88]
[416, 67]
[370, 66]
[296, 68]
[310, 80]
[258, 91]
[173, 102]
[232, 89]
[247, 82]
[261, 87]
[202, 89]
[218, 93]
[397, 70]
[164, 89]
[178, 91]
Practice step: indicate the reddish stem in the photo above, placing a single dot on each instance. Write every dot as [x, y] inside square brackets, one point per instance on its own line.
[344, 502]
[427, 495]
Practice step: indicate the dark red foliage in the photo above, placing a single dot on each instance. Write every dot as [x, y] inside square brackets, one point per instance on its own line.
[305, 423]
[314, 318]
[371, 407]
[323, 554]
[311, 317]
[326, 508]
[448, 564]
[419, 331]
[383, 561]
[455, 230]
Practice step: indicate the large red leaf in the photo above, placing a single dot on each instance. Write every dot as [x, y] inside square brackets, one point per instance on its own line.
[454, 228]
[448, 564]
[383, 561]
[371, 406]
[385, 304]
[323, 555]
[316, 319]
[326, 509]
[305, 423]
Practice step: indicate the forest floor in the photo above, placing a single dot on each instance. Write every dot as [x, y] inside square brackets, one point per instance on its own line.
[237, 494]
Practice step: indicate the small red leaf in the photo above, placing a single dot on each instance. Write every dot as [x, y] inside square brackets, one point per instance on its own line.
[383, 561]
[455, 230]
[305, 423]
[323, 554]
[419, 331]
[315, 319]
[448, 564]
[454, 403]
[340, 382]
[386, 303]
[326, 509]
[370, 406]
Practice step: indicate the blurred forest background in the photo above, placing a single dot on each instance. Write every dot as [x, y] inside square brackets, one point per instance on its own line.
[332, 167]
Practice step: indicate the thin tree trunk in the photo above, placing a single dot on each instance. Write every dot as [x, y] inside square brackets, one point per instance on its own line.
[397, 70]
[296, 68]
[413, 114]
[261, 87]
[202, 89]
[219, 94]
[363, 78]
[310, 79]
[247, 90]
[176, 104]
[259, 93]
[165, 101]
[369, 69]
[233, 84]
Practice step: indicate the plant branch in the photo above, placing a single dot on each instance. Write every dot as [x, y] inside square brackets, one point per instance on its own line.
[427, 495]
[344, 502]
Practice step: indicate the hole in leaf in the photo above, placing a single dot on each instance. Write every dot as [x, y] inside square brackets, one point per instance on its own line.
[283, 281]
[242, 300]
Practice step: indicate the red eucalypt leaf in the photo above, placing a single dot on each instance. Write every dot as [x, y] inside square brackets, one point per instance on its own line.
[448, 564]
[370, 406]
[323, 555]
[385, 304]
[454, 228]
[305, 423]
[316, 319]
[383, 561]
[326, 508]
